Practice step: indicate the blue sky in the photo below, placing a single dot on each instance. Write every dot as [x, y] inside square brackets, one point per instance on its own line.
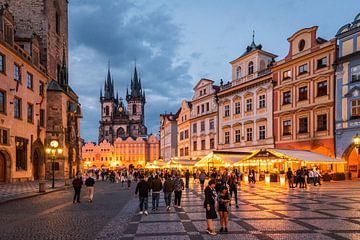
[177, 42]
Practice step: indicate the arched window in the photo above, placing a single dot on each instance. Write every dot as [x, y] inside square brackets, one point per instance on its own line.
[134, 109]
[238, 73]
[251, 68]
[107, 110]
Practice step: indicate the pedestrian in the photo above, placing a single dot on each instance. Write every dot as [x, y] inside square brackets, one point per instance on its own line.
[89, 183]
[129, 179]
[194, 176]
[202, 178]
[317, 177]
[209, 205]
[156, 187]
[289, 175]
[168, 189]
[311, 177]
[187, 178]
[77, 184]
[233, 182]
[224, 201]
[143, 189]
[219, 184]
[178, 187]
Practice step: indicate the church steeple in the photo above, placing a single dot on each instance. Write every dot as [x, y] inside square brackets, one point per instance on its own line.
[109, 86]
[135, 87]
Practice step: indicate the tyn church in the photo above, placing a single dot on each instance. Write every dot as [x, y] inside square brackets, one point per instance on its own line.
[117, 120]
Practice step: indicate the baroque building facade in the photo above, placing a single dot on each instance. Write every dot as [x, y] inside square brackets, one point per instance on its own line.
[168, 136]
[347, 114]
[118, 120]
[183, 130]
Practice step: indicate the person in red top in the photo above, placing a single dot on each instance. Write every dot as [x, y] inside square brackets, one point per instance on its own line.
[77, 184]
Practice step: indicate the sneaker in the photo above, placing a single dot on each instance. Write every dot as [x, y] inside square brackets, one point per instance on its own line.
[146, 213]
[208, 231]
[221, 229]
[168, 208]
[213, 233]
[141, 212]
[226, 230]
[179, 206]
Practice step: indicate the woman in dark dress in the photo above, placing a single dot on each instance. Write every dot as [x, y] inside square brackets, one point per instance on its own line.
[224, 200]
[209, 205]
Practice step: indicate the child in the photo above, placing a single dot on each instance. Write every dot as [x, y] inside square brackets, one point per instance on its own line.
[224, 200]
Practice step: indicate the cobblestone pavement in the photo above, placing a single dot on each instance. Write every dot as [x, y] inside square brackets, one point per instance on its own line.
[54, 216]
[330, 211]
[10, 191]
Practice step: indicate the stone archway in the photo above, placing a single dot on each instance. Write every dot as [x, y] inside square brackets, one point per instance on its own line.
[5, 166]
[38, 160]
[351, 157]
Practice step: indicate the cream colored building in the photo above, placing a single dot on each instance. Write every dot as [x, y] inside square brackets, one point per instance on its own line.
[183, 132]
[245, 103]
[203, 119]
[168, 136]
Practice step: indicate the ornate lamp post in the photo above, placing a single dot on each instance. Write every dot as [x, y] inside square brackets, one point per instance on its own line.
[53, 149]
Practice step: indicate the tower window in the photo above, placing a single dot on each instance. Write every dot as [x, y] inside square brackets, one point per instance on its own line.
[251, 68]
[107, 110]
[238, 73]
[57, 23]
[134, 109]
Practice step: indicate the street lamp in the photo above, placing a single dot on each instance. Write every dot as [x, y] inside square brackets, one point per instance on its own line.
[356, 142]
[53, 149]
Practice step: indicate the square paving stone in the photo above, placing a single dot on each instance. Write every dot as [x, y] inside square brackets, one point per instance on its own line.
[232, 227]
[229, 236]
[350, 205]
[194, 209]
[244, 208]
[264, 201]
[254, 214]
[333, 225]
[345, 213]
[329, 207]
[163, 227]
[161, 237]
[275, 225]
[160, 217]
[280, 207]
[197, 216]
[303, 214]
[349, 235]
[302, 236]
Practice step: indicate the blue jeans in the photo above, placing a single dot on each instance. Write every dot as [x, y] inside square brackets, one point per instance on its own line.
[155, 199]
[143, 203]
[167, 197]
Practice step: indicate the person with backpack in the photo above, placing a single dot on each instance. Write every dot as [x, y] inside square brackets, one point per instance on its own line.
[156, 187]
[168, 189]
[178, 187]
[89, 183]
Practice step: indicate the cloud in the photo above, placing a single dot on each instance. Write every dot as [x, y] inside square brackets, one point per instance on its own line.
[121, 32]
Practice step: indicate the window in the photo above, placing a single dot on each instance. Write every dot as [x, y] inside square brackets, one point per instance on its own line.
[41, 88]
[251, 68]
[134, 109]
[203, 144]
[301, 45]
[204, 91]
[303, 125]
[29, 80]
[57, 23]
[303, 93]
[237, 136]
[355, 108]
[195, 145]
[355, 73]
[107, 110]
[212, 143]
[286, 74]
[2, 102]
[202, 108]
[262, 133]
[286, 127]
[201, 93]
[227, 137]
[181, 135]
[186, 134]
[17, 75]
[322, 88]
[2, 63]
[321, 63]
[21, 154]
[286, 97]
[238, 73]
[30, 113]
[249, 105]
[4, 136]
[198, 109]
[303, 69]
[211, 124]
[181, 152]
[249, 133]
[226, 110]
[262, 102]
[17, 107]
[207, 107]
[186, 151]
[202, 126]
[42, 118]
[194, 127]
[322, 122]
[237, 108]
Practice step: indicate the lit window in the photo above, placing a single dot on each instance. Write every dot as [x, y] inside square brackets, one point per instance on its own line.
[355, 108]
[287, 127]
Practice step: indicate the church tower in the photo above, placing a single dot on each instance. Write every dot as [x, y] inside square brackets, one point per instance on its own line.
[136, 103]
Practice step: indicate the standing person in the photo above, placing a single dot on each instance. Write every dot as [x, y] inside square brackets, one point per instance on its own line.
[178, 187]
[89, 183]
[156, 187]
[233, 182]
[143, 189]
[202, 178]
[194, 176]
[77, 184]
[317, 176]
[187, 178]
[209, 205]
[253, 176]
[168, 189]
[289, 175]
[224, 201]
[129, 180]
[311, 176]
[306, 175]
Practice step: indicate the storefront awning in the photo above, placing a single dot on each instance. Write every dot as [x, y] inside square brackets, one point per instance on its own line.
[221, 159]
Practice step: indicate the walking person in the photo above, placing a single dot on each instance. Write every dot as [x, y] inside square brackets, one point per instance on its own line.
[77, 184]
[290, 178]
[187, 178]
[202, 178]
[317, 176]
[143, 189]
[156, 187]
[89, 183]
[209, 205]
[129, 180]
[224, 201]
[311, 177]
[178, 187]
[168, 189]
[194, 176]
[233, 182]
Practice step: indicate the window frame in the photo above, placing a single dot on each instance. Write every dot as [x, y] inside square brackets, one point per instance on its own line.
[30, 106]
[303, 69]
[322, 122]
[249, 104]
[320, 92]
[355, 107]
[237, 135]
[262, 102]
[287, 124]
[302, 129]
[320, 64]
[251, 68]
[19, 106]
[355, 73]
[262, 132]
[2, 63]
[286, 75]
[18, 75]
[286, 99]
[227, 137]
[4, 102]
[227, 110]
[302, 96]
[249, 134]
[237, 106]
[29, 80]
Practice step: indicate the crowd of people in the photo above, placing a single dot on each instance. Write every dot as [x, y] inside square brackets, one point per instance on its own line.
[303, 177]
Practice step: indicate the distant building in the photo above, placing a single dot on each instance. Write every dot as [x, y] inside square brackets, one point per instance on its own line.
[347, 114]
[168, 136]
[129, 152]
[183, 130]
